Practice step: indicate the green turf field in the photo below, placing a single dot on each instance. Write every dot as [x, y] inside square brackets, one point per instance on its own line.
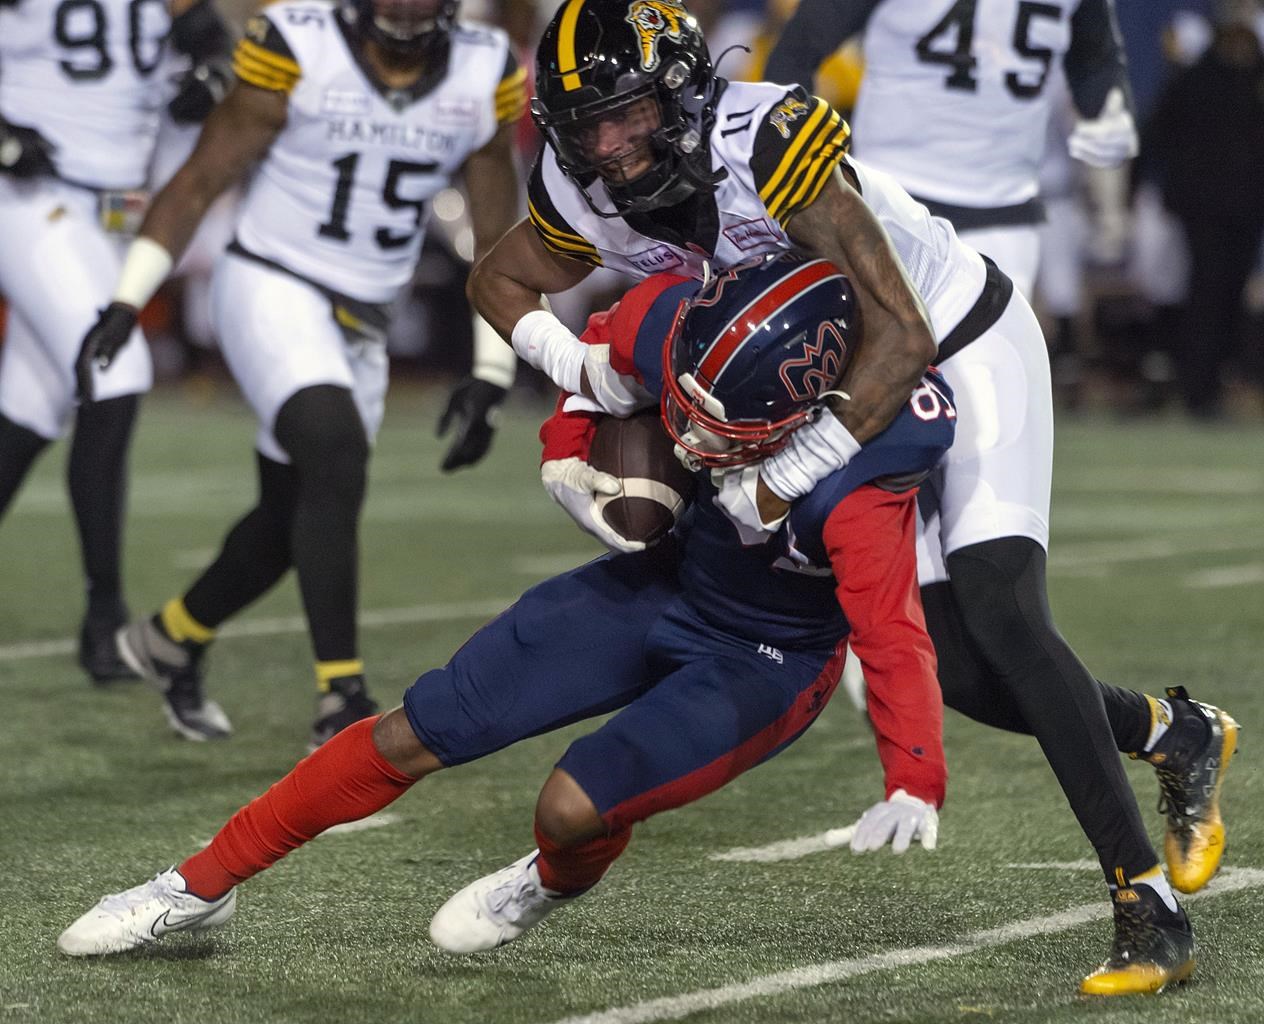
[1157, 575]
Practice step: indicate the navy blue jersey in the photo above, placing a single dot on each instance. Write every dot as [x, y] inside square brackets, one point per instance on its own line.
[781, 592]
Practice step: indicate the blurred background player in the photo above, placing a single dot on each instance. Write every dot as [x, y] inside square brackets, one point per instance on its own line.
[80, 90]
[955, 101]
[1212, 181]
[357, 115]
[714, 655]
[652, 161]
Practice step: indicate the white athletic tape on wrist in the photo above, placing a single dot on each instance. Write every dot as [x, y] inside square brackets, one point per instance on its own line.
[816, 450]
[546, 344]
[145, 267]
[494, 361]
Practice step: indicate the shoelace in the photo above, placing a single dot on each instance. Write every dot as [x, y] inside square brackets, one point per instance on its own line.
[517, 890]
[121, 904]
[1132, 927]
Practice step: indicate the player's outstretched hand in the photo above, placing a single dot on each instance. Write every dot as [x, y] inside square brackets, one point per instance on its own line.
[101, 344]
[24, 152]
[899, 821]
[1108, 139]
[473, 407]
[575, 485]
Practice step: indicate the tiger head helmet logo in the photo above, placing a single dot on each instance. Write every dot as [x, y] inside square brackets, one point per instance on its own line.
[652, 20]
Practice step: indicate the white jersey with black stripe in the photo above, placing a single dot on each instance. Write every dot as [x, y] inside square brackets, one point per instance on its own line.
[770, 176]
[84, 74]
[343, 196]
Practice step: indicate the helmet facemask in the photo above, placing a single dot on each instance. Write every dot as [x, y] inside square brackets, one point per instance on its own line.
[695, 418]
[750, 357]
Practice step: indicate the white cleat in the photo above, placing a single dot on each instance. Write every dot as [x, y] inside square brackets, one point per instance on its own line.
[495, 909]
[144, 914]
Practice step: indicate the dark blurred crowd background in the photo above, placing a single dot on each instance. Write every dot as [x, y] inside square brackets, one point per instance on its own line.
[1151, 287]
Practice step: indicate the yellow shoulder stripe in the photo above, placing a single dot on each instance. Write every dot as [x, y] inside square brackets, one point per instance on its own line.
[560, 242]
[253, 74]
[827, 148]
[792, 153]
[272, 60]
[536, 218]
[512, 83]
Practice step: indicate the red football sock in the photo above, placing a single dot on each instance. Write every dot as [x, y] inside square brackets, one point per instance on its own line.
[345, 779]
[571, 871]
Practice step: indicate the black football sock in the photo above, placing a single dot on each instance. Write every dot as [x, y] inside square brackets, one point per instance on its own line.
[96, 476]
[19, 448]
[255, 554]
[321, 430]
[1000, 590]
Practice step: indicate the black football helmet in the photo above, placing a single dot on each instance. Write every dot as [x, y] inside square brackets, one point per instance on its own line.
[600, 61]
[752, 354]
[408, 28]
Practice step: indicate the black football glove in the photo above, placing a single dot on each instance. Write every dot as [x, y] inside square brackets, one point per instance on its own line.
[472, 408]
[102, 343]
[198, 90]
[24, 152]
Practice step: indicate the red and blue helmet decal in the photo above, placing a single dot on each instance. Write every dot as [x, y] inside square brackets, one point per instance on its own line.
[751, 354]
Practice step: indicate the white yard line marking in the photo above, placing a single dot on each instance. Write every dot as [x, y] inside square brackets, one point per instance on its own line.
[678, 1007]
[417, 614]
[372, 821]
[1228, 576]
[788, 849]
[1090, 554]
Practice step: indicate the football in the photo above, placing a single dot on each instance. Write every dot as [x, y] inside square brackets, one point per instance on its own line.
[655, 487]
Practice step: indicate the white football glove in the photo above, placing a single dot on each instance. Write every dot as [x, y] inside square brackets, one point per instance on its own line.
[574, 485]
[815, 450]
[735, 497]
[1108, 139]
[897, 821]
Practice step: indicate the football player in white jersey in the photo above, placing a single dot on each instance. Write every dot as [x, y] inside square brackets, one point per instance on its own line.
[356, 115]
[954, 102]
[81, 82]
[655, 163]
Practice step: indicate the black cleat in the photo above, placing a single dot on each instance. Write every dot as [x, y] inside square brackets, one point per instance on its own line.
[1191, 760]
[1153, 948]
[98, 654]
[176, 670]
[346, 702]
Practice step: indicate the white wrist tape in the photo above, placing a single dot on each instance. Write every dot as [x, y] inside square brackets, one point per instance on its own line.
[816, 450]
[145, 267]
[544, 342]
[494, 361]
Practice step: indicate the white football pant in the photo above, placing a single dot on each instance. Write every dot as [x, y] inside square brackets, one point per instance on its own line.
[58, 269]
[279, 337]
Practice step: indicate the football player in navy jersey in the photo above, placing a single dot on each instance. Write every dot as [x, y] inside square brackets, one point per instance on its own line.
[356, 116]
[654, 162]
[715, 654]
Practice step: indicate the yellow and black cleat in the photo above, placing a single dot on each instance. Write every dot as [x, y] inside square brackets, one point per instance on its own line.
[1154, 946]
[1191, 761]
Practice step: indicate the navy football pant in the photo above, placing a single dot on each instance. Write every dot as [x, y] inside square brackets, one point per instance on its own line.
[697, 706]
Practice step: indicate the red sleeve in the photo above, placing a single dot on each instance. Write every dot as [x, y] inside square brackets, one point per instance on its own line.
[870, 540]
[569, 434]
[625, 318]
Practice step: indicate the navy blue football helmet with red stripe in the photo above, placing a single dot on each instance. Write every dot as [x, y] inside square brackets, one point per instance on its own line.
[750, 356]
